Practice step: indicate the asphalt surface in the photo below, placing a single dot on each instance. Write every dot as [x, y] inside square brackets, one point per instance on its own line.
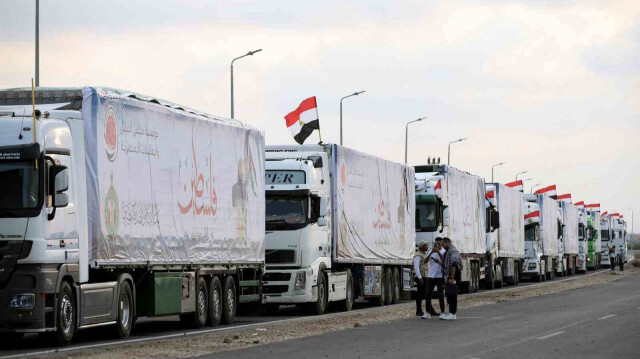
[601, 321]
[162, 328]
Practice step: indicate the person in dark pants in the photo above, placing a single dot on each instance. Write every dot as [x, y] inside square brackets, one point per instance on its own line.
[612, 257]
[420, 272]
[451, 266]
[434, 279]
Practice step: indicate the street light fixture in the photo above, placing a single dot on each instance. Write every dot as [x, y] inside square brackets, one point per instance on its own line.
[534, 186]
[406, 136]
[250, 53]
[528, 179]
[449, 149]
[520, 173]
[353, 94]
[492, 167]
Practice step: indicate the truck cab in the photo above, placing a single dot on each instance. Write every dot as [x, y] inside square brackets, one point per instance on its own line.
[583, 234]
[298, 241]
[41, 217]
[534, 261]
[606, 240]
[431, 214]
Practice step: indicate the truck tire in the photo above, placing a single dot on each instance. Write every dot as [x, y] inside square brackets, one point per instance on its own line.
[388, 279]
[396, 285]
[65, 316]
[346, 304]
[320, 305]
[229, 300]
[202, 304]
[215, 301]
[124, 321]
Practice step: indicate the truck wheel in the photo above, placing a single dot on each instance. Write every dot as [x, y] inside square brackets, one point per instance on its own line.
[346, 304]
[229, 301]
[321, 303]
[66, 316]
[395, 275]
[202, 304]
[388, 286]
[215, 301]
[124, 321]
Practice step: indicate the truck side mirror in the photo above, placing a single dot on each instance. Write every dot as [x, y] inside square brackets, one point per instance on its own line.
[58, 184]
[323, 207]
[322, 221]
[495, 219]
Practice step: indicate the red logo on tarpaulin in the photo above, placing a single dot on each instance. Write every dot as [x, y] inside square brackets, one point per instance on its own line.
[384, 216]
[111, 133]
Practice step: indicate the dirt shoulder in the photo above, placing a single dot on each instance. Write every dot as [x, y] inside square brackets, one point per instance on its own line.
[196, 345]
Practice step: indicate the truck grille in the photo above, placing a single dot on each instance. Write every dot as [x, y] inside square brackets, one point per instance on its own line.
[275, 289]
[276, 277]
[276, 256]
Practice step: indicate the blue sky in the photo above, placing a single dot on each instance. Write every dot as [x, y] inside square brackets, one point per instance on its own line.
[548, 87]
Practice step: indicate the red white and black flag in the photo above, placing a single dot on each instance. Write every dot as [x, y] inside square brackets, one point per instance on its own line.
[548, 191]
[303, 120]
[517, 185]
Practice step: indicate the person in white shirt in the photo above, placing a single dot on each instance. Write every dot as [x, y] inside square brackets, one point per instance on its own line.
[434, 279]
[420, 272]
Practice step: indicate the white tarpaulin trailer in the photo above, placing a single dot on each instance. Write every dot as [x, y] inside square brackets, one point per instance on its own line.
[168, 185]
[373, 208]
[548, 225]
[511, 231]
[570, 231]
[463, 194]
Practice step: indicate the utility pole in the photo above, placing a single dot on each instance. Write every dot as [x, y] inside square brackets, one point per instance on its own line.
[37, 43]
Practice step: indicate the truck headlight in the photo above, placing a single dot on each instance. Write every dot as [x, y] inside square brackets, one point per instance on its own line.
[22, 301]
[301, 281]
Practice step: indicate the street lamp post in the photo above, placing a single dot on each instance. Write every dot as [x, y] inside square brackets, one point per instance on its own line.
[353, 94]
[406, 136]
[449, 149]
[496, 165]
[520, 173]
[525, 180]
[631, 219]
[250, 53]
[37, 43]
[534, 186]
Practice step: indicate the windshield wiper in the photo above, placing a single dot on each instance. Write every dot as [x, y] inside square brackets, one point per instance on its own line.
[281, 220]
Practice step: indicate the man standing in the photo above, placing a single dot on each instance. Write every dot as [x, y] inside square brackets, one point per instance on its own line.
[612, 257]
[434, 278]
[451, 266]
[420, 272]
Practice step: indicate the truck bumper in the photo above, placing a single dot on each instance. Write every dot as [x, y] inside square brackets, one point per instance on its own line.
[36, 280]
[530, 267]
[279, 287]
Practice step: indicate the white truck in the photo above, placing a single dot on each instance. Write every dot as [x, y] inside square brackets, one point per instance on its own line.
[619, 236]
[606, 234]
[339, 226]
[541, 234]
[505, 237]
[568, 242]
[115, 205]
[583, 238]
[451, 203]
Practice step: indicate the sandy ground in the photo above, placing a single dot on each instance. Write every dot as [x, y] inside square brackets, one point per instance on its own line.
[309, 326]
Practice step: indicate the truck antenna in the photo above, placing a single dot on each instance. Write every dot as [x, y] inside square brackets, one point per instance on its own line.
[21, 124]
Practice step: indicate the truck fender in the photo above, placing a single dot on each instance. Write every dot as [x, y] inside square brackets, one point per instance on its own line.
[126, 277]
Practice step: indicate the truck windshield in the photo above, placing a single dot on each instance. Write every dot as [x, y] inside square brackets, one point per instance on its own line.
[286, 212]
[530, 233]
[580, 232]
[426, 217]
[19, 186]
[605, 235]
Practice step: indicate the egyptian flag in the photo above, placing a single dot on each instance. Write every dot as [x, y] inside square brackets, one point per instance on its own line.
[565, 197]
[517, 185]
[579, 204]
[303, 120]
[595, 207]
[438, 189]
[605, 213]
[549, 191]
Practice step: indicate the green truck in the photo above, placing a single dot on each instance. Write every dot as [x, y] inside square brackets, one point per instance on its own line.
[593, 243]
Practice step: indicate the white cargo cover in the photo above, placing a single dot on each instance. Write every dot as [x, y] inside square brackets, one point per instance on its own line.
[511, 231]
[548, 225]
[373, 208]
[596, 227]
[166, 185]
[570, 231]
[464, 194]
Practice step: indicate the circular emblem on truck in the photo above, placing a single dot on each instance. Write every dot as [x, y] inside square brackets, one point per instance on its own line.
[111, 212]
[111, 133]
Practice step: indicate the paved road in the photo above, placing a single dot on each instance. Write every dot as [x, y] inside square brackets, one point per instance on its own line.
[157, 329]
[600, 321]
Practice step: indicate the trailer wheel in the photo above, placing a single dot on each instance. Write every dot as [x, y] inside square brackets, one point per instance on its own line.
[124, 321]
[346, 304]
[229, 300]
[215, 301]
[202, 304]
[321, 303]
[395, 283]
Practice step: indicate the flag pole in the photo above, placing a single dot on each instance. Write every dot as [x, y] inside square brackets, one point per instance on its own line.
[33, 103]
[318, 119]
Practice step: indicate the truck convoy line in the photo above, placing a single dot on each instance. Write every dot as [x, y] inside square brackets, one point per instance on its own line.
[117, 205]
